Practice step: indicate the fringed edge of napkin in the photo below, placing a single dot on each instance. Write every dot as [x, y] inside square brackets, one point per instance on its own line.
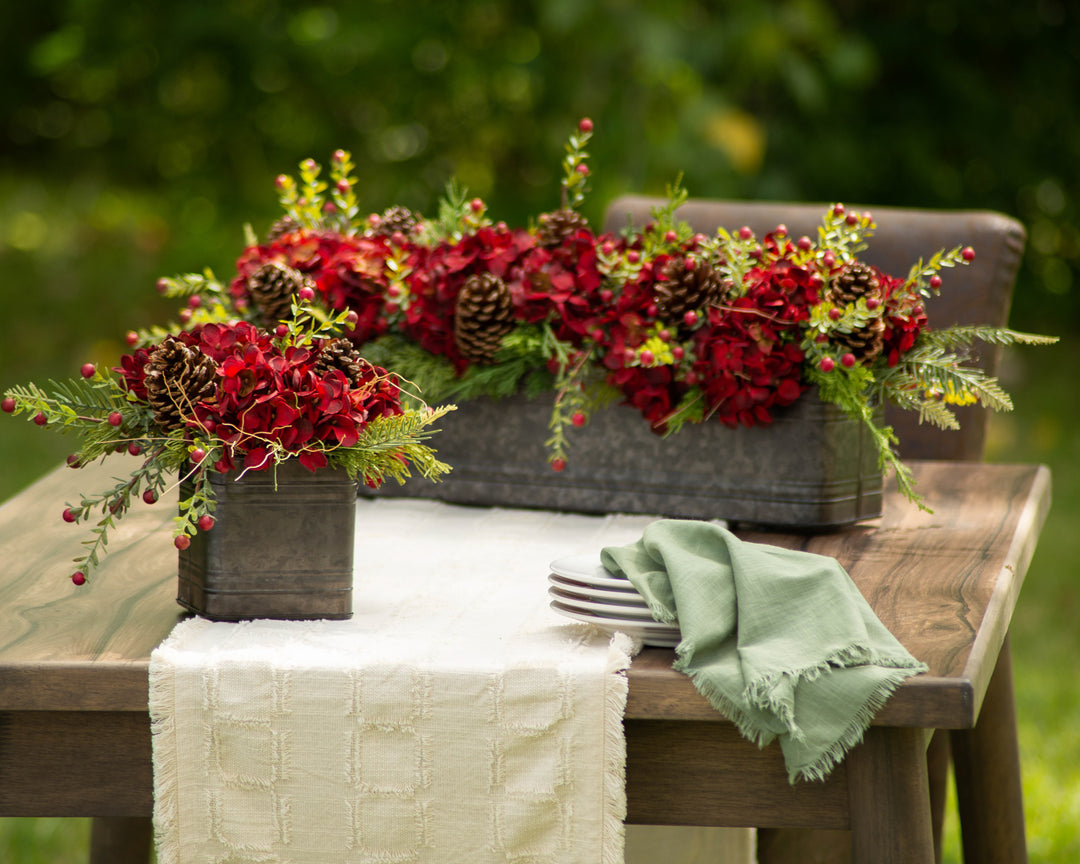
[620, 650]
[761, 693]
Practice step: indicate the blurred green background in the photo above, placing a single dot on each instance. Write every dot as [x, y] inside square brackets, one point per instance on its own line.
[135, 141]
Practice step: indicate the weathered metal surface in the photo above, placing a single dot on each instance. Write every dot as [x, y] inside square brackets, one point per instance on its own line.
[813, 468]
[284, 552]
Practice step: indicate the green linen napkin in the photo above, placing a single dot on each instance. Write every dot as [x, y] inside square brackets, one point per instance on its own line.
[779, 641]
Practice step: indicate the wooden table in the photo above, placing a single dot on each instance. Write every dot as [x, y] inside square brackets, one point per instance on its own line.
[75, 733]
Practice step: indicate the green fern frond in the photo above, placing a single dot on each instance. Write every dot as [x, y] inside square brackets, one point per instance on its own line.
[964, 335]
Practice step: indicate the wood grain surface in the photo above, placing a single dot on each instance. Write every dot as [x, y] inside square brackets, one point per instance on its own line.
[944, 582]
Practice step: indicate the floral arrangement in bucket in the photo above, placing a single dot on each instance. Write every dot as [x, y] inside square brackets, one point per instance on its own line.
[683, 327]
[229, 396]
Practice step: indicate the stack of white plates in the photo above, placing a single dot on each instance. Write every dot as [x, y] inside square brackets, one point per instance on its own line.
[580, 588]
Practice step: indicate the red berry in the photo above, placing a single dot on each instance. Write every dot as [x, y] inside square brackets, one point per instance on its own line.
[134, 449]
[578, 419]
[206, 522]
[162, 286]
[308, 165]
[68, 515]
[194, 301]
[671, 237]
[131, 338]
[40, 419]
[477, 205]
[848, 360]
[834, 314]
[872, 303]
[678, 352]
[78, 577]
[182, 542]
[339, 156]
[690, 318]
[393, 291]
[184, 316]
[281, 181]
[343, 186]
[607, 247]
[838, 210]
[690, 264]
[828, 259]
[633, 256]
[935, 281]
[306, 292]
[597, 335]
[805, 243]
[665, 335]
[8, 405]
[652, 310]
[647, 358]
[281, 331]
[73, 460]
[558, 464]
[116, 418]
[150, 496]
[585, 125]
[851, 218]
[351, 320]
[827, 364]
[745, 233]
[197, 455]
[398, 238]
[967, 253]
[582, 169]
[606, 295]
[88, 370]
[781, 230]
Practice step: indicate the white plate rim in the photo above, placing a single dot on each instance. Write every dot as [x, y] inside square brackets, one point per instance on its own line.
[667, 637]
[605, 609]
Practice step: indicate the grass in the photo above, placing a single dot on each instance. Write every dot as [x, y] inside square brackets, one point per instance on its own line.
[1045, 639]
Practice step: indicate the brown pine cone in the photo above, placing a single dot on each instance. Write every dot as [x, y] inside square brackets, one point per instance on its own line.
[866, 342]
[177, 376]
[340, 354]
[483, 315]
[684, 289]
[395, 219]
[558, 225]
[858, 280]
[283, 225]
[272, 287]
[854, 281]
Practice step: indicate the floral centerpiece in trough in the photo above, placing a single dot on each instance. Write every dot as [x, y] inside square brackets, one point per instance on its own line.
[731, 330]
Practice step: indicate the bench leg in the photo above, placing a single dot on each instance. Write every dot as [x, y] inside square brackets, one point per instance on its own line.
[986, 761]
[126, 840]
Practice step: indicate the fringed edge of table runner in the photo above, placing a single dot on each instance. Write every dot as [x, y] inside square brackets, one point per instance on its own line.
[621, 649]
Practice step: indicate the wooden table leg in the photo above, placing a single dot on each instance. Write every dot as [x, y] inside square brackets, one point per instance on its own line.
[986, 761]
[889, 800]
[123, 840]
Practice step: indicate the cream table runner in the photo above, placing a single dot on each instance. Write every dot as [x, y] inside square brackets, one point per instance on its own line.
[454, 718]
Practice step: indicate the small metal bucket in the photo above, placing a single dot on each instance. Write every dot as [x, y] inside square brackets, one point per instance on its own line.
[282, 547]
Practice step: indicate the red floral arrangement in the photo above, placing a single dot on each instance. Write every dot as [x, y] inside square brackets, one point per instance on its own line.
[230, 396]
[682, 327]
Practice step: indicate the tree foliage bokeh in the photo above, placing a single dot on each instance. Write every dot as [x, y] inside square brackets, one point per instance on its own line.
[135, 140]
